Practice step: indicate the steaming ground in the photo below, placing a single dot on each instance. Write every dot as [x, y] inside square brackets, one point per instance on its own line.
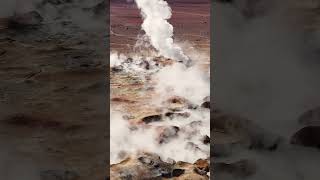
[157, 98]
[174, 80]
[266, 72]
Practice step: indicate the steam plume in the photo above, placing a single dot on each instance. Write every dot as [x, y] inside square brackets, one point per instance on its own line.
[155, 14]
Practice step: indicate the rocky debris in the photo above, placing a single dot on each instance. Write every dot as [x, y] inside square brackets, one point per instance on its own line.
[307, 136]
[167, 133]
[177, 103]
[150, 166]
[141, 166]
[149, 65]
[202, 166]
[59, 175]
[197, 171]
[239, 169]
[28, 19]
[310, 117]
[132, 64]
[162, 62]
[122, 100]
[173, 115]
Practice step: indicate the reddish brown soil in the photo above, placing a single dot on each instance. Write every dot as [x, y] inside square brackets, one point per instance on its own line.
[190, 19]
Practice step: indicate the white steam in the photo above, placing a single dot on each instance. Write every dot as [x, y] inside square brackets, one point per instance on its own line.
[155, 14]
[266, 73]
[168, 79]
[177, 80]
[124, 141]
[172, 80]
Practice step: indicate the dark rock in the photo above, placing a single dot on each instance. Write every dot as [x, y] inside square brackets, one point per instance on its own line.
[206, 105]
[206, 140]
[206, 102]
[117, 68]
[152, 118]
[173, 115]
[177, 172]
[122, 100]
[308, 136]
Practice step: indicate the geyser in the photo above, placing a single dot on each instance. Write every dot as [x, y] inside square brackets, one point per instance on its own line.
[155, 14]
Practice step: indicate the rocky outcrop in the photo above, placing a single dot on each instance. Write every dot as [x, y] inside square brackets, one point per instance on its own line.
[151, 166]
